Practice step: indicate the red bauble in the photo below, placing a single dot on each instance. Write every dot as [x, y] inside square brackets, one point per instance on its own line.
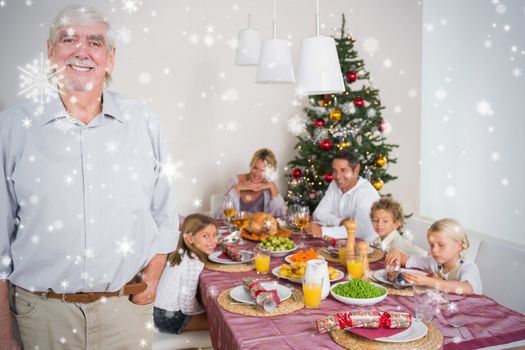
[319, 123]
[297, 173]
[351, 76]
[328, 177]
[326, 144]
[359, 102]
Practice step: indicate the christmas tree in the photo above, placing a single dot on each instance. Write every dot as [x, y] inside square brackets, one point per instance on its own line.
[349, 120]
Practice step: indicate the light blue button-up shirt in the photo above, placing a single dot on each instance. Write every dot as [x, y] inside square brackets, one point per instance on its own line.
[83, 207]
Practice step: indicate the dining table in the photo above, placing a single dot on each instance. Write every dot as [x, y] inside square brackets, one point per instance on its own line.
[466, 322]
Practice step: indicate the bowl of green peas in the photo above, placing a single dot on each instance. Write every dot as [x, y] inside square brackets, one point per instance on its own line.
[358, 292]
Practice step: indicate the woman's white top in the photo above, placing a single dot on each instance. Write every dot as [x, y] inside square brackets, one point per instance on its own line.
[177, 289]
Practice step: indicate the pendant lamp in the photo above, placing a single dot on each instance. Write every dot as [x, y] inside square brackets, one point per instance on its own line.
[275, 60]
[319, 71]
[249, 46]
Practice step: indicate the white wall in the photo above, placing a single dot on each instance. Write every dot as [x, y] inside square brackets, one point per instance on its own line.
[204, 91]
[472, 151]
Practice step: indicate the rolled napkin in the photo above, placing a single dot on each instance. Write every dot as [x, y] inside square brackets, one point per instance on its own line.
[363, 319]
[236, 254]
[267, 299]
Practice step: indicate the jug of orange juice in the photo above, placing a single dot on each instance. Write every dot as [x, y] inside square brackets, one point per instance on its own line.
[318, 267]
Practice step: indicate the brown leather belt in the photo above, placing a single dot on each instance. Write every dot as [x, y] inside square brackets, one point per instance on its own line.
[129, 289]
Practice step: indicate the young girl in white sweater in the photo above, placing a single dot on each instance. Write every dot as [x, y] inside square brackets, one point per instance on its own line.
[176, 306]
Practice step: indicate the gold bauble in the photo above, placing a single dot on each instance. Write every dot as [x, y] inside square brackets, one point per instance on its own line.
[378, 184]
[381, 161]
[335, 115]
[325, 103]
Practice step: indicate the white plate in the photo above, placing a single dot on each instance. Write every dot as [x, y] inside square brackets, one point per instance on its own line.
[380, 275]
[416, 331]
[284, 252]
[275, 272]
[226, 261]
[357, 301]
[288, 258]
[241, 295]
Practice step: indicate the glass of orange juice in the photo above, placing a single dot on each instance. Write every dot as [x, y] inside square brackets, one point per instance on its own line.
[355, 266]
[262, 260]
[341, 247]
[312, 288]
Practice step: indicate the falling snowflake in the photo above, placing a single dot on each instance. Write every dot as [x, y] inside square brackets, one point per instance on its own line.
[487, 44]
[69, 179]
[39, 82]
[500, 9]
[504, 182]
[440, 94]
[483, 107]
[506, 27]
[3, 3]
[194, 39]
[452, 307]
[64, 124]
[197, 203]
[150, 326]
[296, 125]
[230, 95]
[387, 63]
[125, 247]
[112, 147]
[209, 40]
[516, 72]
[124, 35]
[89, 253]
[6, 260]
[270, 174]
[170, 170]
[371, 45]
[26, 123]
[495, 156]
[232, 126]
[450, 192]
[320, 134]
[64, 284]
[145, 78]
[130, 5]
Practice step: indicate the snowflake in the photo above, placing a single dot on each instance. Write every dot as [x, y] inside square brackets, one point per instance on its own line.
[35, 239]
[209, 40]
[26, 123]
[130, 5]
[487, 43]
[6, 260]
[516, 72]
[450, 191]
[150, 326]
[371, 45]
[197, 203]
[3, 3]
[64, 123]
[39, 82]
[143, 343]
[170, 170]
[506, 27]
[500, 9]
[112, 147]
[495, 156]
[484, 108]
[28, 3]
[320, 134]
[452, 307]
[441, 94]
[194, 39]
[89, 253]
[64, 284]
[230, 95]
[232, 126]
[270, 174]
[124, 35]
[125, 247]
[69, 179]
[296, 125]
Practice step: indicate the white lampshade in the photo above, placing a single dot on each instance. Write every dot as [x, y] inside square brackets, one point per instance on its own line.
[275, 62]
[248, 48]
[319, 71]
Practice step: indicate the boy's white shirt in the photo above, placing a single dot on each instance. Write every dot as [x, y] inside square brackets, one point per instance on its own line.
[395, 240]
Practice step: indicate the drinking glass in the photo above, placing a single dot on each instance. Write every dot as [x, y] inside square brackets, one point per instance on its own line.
[262, 259]
[241, 221]
[312, 290]
[341, 249]
[302, 217]
[424, 312]
[355, 266]
[228, 205]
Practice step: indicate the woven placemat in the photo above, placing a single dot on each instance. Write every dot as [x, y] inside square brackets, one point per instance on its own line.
[376, 255]
[229, 268]
[432, 341]
[286, 307]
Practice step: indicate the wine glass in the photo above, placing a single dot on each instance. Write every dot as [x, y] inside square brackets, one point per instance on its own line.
[302, 217]
[228, 205]
[241, 221]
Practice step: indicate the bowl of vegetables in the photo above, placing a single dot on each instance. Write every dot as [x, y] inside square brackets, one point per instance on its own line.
[279, 246]
[358, 292]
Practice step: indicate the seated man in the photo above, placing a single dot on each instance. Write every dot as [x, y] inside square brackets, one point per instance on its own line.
[348, 196]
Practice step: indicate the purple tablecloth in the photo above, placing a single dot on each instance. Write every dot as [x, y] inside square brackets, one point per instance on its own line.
[486, 322]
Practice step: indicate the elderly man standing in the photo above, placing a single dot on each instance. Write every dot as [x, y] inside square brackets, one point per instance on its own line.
[348, 196]
[87, 214]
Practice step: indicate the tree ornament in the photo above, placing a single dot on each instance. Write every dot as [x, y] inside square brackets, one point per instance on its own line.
[312, 195]
[324, 103]
[297, 174]
[319, 123]
[326, 144]
[335, 115]
[328, 177]
[381, 161]
[359, 102]
[378, 184]
[351, 76]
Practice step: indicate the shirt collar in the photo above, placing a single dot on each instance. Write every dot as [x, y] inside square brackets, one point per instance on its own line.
[55, 109]
[385, 243]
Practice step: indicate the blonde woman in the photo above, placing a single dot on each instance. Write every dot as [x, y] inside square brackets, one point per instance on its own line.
[256, 190]
[449, 271]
